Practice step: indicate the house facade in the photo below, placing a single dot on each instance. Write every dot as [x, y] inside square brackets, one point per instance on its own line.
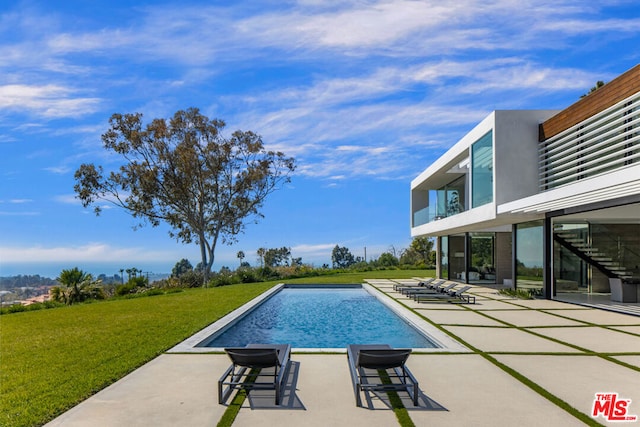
[543, 200]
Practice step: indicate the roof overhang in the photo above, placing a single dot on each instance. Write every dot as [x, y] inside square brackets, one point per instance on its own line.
[613, 185]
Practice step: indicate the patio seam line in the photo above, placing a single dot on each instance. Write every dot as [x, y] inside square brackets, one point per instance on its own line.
[588, 323]
[513, 373]
[613, 328]
[558, 341]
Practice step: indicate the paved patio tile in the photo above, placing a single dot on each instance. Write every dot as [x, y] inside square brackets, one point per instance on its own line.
[171, 390]
[602, 317]
[576, 379]
[323, 397]
[493, 295]
[632, 329]
[507, 339]
[420, 307]
[595, 339]
[491, 304]
[632, 360]
[468, 390]
[532, 318]
[545, 304]
[458, 317]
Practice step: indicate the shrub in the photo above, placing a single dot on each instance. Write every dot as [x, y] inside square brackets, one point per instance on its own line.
[125, 289]
[191, 279]
[247, 275]
[518, 293]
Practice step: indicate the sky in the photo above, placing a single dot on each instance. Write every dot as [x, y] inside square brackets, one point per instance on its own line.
[363, 94]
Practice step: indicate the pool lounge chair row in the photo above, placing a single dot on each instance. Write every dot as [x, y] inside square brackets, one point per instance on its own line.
[437, 290]
[441, 287]
[374, 367]
[422, 283]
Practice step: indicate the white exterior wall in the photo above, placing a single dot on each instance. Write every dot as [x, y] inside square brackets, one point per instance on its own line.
[515, 153]
[515, 171]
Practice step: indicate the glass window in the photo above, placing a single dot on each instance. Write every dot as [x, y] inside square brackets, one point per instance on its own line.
[444, 257]
[530, 256]
[482, 171]
[450, 198]
[481, 264]
[457, 265]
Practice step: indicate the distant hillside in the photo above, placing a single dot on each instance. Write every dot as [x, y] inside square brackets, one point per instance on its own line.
[23, 281]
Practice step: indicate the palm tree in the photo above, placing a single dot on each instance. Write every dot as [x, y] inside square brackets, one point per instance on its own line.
[76, 286]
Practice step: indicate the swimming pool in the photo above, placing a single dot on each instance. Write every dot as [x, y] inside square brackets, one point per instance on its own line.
[317, 318]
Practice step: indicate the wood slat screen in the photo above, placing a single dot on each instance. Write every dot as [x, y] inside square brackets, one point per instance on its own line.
[616, 90]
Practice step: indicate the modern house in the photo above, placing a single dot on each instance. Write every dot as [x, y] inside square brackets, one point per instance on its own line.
[542, 200]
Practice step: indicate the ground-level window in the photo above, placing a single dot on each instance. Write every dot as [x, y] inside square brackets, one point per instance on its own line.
[444, 257]
[481, 264]
[530, 256]
[457, 264]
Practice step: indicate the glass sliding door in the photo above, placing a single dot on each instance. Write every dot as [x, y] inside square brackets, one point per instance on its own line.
[530, 256]
[444, 257]
[457, 264]
[570, 272]
[481, 264]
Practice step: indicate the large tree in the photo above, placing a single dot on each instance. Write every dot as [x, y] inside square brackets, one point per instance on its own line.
[186, 173]
[277, 257]
[341, 257]
[422, 246]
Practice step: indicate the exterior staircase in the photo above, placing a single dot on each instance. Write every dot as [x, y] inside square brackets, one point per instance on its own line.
[578, 245]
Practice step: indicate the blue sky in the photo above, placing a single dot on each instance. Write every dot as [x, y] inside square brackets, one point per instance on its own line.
[364, 94]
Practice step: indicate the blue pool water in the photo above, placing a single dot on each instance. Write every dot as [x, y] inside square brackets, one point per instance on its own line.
[320, 318]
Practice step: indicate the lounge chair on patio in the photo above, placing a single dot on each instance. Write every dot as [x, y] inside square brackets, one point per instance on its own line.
[269, 362]
[437, 284]
[366, 362]
[452, 295]
[437, 290]
[421, 284]
[431, 284]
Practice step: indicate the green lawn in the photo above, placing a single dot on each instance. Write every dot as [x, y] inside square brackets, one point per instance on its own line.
[52, 359]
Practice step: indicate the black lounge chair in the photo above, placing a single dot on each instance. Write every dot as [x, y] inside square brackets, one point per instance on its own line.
[422, 283]
[437, 284]
[436, 290]
[452, 295]
[365, 362]
[274, 358]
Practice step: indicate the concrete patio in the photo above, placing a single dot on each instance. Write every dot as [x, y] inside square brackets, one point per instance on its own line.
[572, 352]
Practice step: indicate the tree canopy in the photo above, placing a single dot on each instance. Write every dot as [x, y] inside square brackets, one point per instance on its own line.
[76, 286]
[183, 266]
[341, 257]
[276, 257]
[186, 173]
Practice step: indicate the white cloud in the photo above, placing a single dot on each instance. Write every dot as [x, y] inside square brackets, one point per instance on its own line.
[58, 170]
[309, 250]
[48, 100]
[68, 199]
[94, 252]
[23, 213]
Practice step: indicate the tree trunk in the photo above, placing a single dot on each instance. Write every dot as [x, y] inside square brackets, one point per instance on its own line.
[206, 268]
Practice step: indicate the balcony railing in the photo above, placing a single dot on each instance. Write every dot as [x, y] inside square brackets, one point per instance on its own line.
[430, 214]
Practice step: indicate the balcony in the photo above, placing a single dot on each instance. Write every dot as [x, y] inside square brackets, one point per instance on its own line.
[434, 213]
